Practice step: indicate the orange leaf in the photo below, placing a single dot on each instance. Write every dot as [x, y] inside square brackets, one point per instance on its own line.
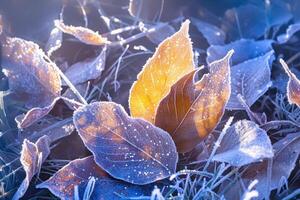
[191, 110]
[172, 59]
[83, 34]
[293, 87]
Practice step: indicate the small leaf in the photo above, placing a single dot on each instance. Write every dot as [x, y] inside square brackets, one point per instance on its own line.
[78, 173]
[32, 157]
[293, 87]
[172, 59]
[244, 143]
[250, 71]
[290, 32]
[32, 78]
[213, 34]
[129, 149]
[87, 70]
[286, 153]
[83, 34]
[34, 114]
[54, 42]
[190, 111]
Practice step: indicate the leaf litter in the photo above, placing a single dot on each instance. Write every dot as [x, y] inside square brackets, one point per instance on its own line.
[177, 141]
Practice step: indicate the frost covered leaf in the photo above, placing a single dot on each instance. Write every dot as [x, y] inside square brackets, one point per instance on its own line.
[54, 42]
[250, 71]
[293, 87]
[286, 152]
[172, 59]
[83, 34]
[213, 34]
[244, 143]
[190, 111]
[87, 70]
[78, 173]
[33, 115]
[32, 157]
[129, 149]
[31, 77]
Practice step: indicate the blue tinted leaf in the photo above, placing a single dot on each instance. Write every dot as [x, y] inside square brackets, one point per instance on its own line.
[250, 71]
[32, 157]
[244, 143]
[213, 34]
[246, 21]
[290, 31]
[54, 42]
[90, 180]
[129, 149]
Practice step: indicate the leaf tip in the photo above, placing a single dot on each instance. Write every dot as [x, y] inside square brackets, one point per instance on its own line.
[185, 27]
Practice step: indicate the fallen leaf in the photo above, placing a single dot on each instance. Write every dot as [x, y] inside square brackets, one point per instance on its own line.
[32, 157]
[244, 143]
[78, 173]
[290, 32]
[172, 59]
[286, 152]
[129, 149]
[32, 78]
[250, 71]
[83, 34]
[54, 42]
[293, 87]
[190, 111]
[213, 34]
[86, 70]
[254, 19]
[33, 115]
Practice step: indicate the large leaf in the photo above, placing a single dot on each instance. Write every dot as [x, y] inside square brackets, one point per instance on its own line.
[244, 143]
[83, 34]
[190, 111]
[129, 149]
[286, 153]
[32, 157]
[172, 60]
[250, 71]
[293, 87]
[78, 173]
[87, 70]
[32, 79]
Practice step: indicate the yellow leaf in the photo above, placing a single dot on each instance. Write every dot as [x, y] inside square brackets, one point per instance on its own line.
[293, 87]
[83, 34]
[172, 59]
[191, 110]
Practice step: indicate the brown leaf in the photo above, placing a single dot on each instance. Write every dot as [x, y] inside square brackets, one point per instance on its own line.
[83, 34]
[32, 157]
[190, 111]
[293, 87]
[129, 149]
[172, 60]
[33, 79]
